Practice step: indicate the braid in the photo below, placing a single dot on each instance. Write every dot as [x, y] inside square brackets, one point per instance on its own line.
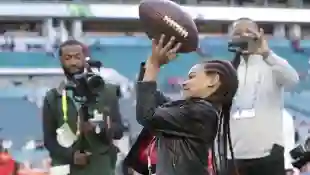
[225, 137]
[219, 136]
[223, 98]
[226, 114]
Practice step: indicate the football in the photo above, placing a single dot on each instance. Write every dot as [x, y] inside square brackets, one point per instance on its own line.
[166, 17]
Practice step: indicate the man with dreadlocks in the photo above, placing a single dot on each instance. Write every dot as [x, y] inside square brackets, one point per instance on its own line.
[256, 124]
[76, 145]
[185, 129]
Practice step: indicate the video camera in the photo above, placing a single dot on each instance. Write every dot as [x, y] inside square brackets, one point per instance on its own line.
[88, 84]
[238, 45]
[301, 155]
[242, 43]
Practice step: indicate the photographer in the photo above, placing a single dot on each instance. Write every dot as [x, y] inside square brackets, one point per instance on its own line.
[80, 118]
[256, 124]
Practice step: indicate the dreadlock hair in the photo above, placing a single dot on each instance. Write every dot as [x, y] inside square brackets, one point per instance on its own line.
[70, 43]
[222, 98]
[73, 42]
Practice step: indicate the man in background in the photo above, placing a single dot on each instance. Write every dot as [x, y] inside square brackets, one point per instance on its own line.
[256, 123]
[8, 166]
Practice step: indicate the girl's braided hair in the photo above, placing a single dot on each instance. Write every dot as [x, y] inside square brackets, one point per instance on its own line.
[222, 99]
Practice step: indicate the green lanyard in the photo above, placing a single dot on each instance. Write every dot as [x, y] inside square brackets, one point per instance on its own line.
[64, 104]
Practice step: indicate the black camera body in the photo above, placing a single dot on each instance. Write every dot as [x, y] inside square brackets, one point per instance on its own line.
[238, 45]
[301, 155]
[88, 85]
[86, 88]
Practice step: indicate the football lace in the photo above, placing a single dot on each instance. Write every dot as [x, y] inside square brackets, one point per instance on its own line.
[177, 27]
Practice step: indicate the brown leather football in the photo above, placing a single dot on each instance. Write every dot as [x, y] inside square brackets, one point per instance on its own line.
[166, 17]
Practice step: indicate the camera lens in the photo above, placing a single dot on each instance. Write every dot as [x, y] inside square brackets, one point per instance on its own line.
[95, 83]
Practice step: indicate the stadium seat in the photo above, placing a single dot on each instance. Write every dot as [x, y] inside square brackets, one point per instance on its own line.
[21, 120]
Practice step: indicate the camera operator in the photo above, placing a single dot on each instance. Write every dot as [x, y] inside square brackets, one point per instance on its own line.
[80, 118]
[256, 124]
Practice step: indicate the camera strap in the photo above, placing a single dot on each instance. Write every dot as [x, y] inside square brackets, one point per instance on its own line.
[64, 107]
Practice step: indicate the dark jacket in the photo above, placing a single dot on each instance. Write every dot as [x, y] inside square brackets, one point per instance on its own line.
[185, 130]
[142, 142]
[96, 143]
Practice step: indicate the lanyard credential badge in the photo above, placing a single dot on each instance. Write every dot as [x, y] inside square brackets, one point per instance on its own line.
[65, 136]
[245, 102]
[243, 114]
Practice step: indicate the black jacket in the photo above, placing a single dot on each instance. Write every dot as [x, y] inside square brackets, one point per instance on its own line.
[132, 159]
[185, 130]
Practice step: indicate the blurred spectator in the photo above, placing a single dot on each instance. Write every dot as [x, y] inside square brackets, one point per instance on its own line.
[6, 145]
[35, 47]
[296, 46]
[9, 43]
[295, 43]
[7, 165]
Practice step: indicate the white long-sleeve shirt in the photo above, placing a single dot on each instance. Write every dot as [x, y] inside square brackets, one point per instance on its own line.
[289, 138]
[256, 123]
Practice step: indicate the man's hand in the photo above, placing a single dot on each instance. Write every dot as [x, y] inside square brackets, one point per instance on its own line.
[259, 45]
[81, 158]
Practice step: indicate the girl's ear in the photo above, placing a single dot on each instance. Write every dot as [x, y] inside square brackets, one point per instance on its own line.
[213, 79]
